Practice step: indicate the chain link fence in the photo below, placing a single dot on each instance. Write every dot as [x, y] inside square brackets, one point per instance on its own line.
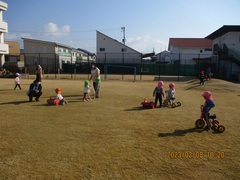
[177, 65]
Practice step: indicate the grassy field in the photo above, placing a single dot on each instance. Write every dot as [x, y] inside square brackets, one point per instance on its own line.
[113, 137]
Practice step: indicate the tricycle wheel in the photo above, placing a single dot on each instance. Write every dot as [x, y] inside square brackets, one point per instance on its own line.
[200, 123]
[174, 105]
[221, 128]
[179, 104]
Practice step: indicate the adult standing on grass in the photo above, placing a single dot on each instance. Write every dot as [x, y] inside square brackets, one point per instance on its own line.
[95, 76]
[35, 90]
[39, 73]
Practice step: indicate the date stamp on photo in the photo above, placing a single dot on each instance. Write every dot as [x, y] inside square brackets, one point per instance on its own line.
[195, 155]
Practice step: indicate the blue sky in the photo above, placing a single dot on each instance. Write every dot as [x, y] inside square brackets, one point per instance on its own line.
[148, 23]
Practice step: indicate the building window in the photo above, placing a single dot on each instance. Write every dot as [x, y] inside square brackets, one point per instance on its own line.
[44, 49]
[102, 49]
[124, 49]
[208, 49]
[33, 49]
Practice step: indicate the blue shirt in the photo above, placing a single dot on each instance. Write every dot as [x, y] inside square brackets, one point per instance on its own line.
[209, 104]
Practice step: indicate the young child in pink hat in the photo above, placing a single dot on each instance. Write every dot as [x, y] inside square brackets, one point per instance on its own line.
[158, 92]
[170, 93]
[208, 105]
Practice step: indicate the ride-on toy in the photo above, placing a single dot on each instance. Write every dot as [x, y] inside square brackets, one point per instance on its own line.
[146, 104]
[52, 101]
[172, 103]
[215, 125]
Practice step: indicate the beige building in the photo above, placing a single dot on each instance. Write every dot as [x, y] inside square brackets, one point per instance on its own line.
[3, 29]
[50, 55]
[14, 51]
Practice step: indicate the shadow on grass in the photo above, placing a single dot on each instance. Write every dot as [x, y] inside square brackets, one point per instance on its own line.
[192, 81]
[69, 96]
[140, 108]
[193, 86]
[178, 132]
[15, 102]
[42, 105]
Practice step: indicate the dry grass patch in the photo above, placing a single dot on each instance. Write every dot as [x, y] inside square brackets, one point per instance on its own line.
[111, 137]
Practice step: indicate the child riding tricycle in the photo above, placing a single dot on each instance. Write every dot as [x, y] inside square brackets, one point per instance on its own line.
[206, 117]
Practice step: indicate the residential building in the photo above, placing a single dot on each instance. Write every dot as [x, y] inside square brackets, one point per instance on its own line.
[3, 29]
[14, 61]
[50, 55]
[86, 56]
[14, 51]
[190, 50]
[226, 46]
[111, 51]
[162, 57]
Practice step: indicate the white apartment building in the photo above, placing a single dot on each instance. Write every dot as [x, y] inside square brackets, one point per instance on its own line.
[111, 51]
[190, 50]
[226, 46]
[3, 29]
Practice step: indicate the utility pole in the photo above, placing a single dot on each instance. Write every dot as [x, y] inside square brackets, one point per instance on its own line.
[124, 39]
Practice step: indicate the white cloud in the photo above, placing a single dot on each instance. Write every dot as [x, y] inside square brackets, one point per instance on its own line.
[52, 30]
[16, 37]
[146, 44]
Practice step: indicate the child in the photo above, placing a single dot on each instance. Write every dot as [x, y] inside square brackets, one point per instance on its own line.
[170, 93]
[208, 73]
[86, 90]
[208, 105]
[202, 78]
[17, 81]
[59, 96]
[158, 93]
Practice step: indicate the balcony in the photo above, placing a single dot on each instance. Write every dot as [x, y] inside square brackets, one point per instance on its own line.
[4, 49]
[3, 27]
[3, 6]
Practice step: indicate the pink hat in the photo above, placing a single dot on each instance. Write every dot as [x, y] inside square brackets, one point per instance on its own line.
[172, 86]
[208, 95]
[160, 84]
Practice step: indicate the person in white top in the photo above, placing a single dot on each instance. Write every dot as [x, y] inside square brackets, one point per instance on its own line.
[170, 93]
[86, 91]
[17, 81]
[60, 97]
[95, 75]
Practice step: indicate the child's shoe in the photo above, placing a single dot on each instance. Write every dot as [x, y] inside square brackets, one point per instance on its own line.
[207, 128]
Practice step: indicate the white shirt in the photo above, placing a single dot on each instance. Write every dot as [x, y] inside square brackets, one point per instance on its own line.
[59, 96]
[86, 89]
[95, 74]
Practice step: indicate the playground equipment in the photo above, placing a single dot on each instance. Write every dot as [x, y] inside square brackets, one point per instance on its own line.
[171, 103]
[146, 104]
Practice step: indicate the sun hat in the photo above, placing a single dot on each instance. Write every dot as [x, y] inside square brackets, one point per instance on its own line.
[172, 86]
[58, 90]
[208, 95]
[160, 84]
